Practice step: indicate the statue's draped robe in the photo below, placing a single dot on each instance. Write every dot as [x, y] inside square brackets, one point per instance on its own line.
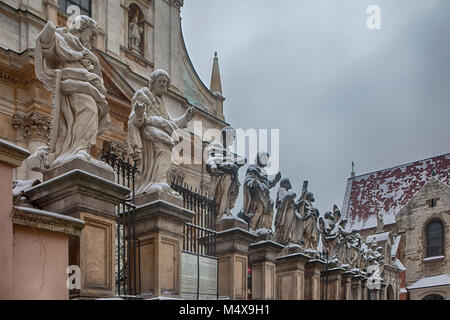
[147, 141]
[257, 198]
[287, 224]
[310, 231]
[224, 178]
[79, 102]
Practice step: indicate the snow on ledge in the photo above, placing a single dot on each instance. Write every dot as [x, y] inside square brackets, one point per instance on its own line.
[437, 281]
[434, 258]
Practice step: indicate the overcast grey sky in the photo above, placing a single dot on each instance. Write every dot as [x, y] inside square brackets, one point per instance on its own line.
[337, 91]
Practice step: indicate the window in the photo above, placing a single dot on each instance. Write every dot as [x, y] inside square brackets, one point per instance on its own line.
[432, 203]
[435, 238]
[84, 5]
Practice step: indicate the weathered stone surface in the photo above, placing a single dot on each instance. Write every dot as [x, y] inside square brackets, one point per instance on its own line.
[313, 270]
[291, 277]
[78, 191]
[159, 229]
[103, 171]
[262, 258]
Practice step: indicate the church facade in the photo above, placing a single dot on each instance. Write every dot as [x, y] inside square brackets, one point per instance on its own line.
[135, 38]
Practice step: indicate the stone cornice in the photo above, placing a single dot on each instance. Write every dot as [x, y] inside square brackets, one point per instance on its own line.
[12, 155]
[49, 221]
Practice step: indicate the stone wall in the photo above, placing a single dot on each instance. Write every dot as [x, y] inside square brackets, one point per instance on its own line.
[412, 221]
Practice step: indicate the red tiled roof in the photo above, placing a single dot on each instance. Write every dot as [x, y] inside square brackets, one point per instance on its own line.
[388, 191]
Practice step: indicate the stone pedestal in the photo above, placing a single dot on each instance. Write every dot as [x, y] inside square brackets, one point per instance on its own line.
[262, 259]
[159, 222]
[313, 269]
[91, 196]
[291, 277]
[232, 248]
[346, 285]
[357, 292]
[364, 289]
[334, 284]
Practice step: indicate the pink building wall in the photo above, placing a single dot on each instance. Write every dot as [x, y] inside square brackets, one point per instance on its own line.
[40, 262]
[6, 231]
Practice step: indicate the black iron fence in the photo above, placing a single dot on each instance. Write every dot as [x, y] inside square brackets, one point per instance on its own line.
[128, 273]
[200, 234]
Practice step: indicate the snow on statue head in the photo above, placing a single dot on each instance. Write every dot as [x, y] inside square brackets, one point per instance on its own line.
[159, 82]
[263, 159]
[286, 183]
[228, 136]
[85, 29]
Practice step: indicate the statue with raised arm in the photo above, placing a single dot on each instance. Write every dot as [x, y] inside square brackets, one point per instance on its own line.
[257, 202]
[153, 133]
[72, 73]
[223, 167]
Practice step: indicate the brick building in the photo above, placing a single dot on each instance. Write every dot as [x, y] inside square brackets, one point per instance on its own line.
[414, 201]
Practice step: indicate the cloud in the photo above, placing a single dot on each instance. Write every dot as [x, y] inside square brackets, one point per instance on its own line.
[337, 91]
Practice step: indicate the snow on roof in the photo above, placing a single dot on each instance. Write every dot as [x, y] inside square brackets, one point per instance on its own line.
[395, 245]
[378, 237]
[388, 191]
[399, 264]
[436, 281]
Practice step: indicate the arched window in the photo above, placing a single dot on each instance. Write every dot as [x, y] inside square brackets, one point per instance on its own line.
[435, 239]
[84, 5]
[433, 297]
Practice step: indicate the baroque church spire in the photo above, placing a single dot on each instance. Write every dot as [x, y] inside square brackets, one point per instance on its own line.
[216, 82]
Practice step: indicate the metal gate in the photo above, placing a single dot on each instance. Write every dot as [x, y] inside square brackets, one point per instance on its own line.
[128, 256]
[199, 261]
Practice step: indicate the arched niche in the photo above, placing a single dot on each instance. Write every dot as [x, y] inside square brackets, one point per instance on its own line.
[136, 29]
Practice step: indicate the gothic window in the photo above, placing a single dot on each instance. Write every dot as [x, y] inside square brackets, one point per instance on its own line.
[435, 238]
[84, 5]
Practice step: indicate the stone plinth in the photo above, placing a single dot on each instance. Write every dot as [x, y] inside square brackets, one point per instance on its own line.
[346, 285]
[93, 200]
[262, 259]
[334, 280]
[357, 292]
[291, 276]
[313, 269]
[159, 228]
[232, 248]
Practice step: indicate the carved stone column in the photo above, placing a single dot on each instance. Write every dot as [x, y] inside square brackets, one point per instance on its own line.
[85, 191]
[357, 287]
[334, 283]
[346, 285]
[262, 259]
[159, 223]
[364, 289]
[313, 270]
[232, 248]
[291, 277]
